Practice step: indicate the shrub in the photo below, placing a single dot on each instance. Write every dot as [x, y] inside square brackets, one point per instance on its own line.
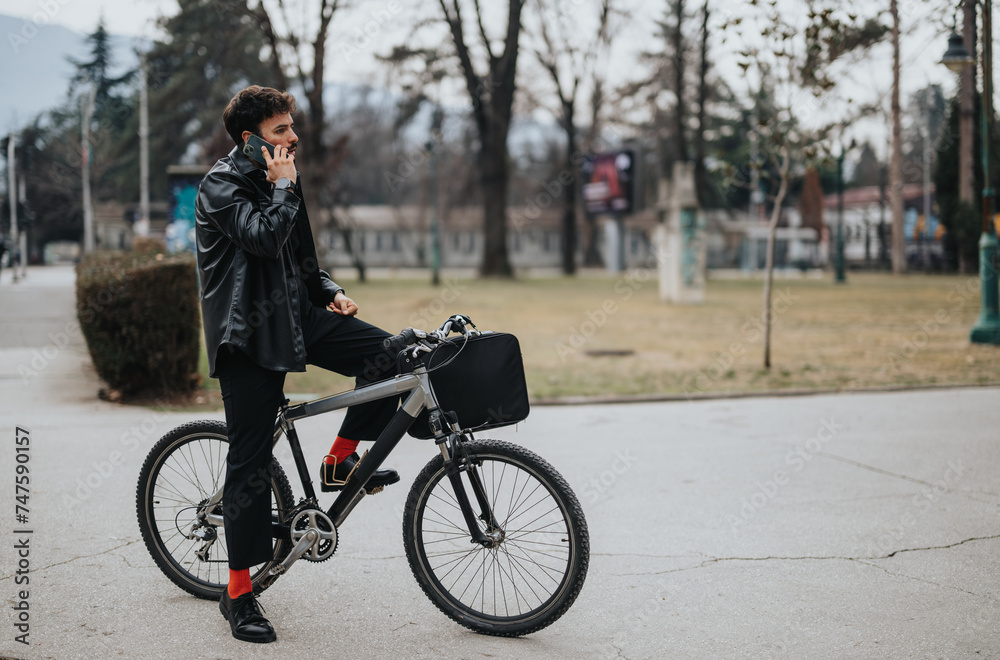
[145, 244]
[139, 313]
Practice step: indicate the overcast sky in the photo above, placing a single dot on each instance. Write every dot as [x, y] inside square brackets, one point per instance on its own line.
[922, 48]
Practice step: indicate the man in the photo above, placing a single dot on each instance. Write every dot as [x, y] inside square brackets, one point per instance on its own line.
[268, 309]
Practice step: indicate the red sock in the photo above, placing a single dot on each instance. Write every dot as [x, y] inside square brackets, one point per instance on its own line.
[341, 449]
[239, 583]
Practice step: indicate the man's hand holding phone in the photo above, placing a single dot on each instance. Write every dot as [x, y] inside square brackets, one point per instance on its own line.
[281, 165]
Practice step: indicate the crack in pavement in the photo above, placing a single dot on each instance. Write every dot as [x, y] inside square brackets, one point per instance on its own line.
[966, 493]
[926, 581]
[636, 554]
[872, 468]
[72, 559]
[717, 560]
[620, 650]
[935, 547]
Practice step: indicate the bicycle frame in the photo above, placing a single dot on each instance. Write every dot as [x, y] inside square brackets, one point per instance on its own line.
[421, 394]
[421, 397]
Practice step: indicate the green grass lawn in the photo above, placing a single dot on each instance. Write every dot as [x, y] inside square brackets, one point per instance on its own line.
[611, 335]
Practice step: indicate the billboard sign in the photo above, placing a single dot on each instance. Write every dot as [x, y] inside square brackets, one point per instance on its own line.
[609, 182]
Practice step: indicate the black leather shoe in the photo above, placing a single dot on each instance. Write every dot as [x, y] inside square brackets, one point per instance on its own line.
[245, 618]
[333, 477]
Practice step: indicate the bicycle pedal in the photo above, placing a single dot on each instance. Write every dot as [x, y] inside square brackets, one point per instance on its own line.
[376, 490]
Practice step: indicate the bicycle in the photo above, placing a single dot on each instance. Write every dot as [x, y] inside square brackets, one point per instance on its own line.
[508, 561]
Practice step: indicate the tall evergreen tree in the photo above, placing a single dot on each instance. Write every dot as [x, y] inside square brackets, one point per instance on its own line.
[867, 171]
[111, 108]
[208, 51]
[690, 112]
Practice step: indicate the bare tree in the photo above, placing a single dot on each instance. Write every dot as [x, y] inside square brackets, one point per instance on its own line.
[665, 70]
[700, 172]
[298, 52]
[784, 164]
[568, 63]
[680, 110]
[896, 157]
[797, 66]
[681, 66]
[492, 95]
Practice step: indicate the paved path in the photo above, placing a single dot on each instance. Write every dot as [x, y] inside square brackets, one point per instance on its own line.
[848, 526]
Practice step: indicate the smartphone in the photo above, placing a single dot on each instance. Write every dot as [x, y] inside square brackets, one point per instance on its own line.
[252, 149]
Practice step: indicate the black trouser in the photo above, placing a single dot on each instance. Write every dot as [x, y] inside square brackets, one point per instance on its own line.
[252, 396]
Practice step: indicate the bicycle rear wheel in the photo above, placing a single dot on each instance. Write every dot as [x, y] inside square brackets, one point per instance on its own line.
[541, 549]
[183, 470]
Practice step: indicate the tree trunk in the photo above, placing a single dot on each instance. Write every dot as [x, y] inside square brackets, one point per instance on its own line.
[311, 163]
[591, 255]
[316, 170]
[569, 193]
[680, 139]
[772, 229]
[967, 95]
[896, 161]
[700, 173]
[492, 99]
[494, 182]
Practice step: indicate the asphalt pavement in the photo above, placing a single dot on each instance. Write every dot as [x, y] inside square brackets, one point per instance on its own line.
[827, 526]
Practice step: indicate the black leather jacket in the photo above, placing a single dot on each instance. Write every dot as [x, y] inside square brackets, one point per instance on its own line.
[256, 261]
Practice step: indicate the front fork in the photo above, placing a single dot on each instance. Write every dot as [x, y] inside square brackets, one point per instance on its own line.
[457, 461]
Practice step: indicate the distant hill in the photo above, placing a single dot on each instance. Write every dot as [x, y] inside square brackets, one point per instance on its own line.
[35, 71]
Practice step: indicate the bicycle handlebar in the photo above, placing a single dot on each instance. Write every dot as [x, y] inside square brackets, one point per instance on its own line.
[409, 336]
[399, 342]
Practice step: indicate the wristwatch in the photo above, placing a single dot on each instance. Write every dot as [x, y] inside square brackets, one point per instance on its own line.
[284, 183]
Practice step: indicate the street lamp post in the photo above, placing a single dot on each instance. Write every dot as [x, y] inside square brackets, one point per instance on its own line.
[839, 261]
[12, 198]
[987, 327]
[434, 146]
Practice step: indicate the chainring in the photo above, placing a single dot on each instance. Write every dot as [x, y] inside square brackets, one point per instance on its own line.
[314, 517]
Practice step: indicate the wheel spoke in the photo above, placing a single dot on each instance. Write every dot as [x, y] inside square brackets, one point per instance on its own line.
[517, 567]
[512, 515]
[472, 563]
[165, 484]
[519, 540]
[534, 562]
[447, 539]
[453, 503]
[444, 521]
[192, 477]
[556, 507]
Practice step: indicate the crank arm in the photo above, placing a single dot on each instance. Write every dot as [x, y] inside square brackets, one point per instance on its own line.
[307, 541]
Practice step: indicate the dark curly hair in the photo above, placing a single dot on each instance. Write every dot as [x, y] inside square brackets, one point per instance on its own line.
[252, 106]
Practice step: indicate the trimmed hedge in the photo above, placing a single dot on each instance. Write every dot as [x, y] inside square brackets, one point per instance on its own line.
[139, 312]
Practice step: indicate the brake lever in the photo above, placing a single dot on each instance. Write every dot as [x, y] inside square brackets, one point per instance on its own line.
[420, 348]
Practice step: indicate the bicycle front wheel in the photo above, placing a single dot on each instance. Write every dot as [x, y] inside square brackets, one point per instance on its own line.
[182, 472]
[540, 551]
